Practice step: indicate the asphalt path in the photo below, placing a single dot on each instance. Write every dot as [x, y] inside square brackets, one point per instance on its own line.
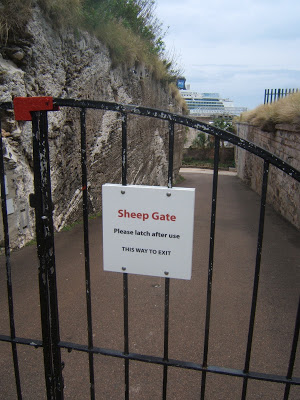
[234, 263]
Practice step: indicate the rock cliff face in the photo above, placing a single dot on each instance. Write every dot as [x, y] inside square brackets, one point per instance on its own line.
[68, 65]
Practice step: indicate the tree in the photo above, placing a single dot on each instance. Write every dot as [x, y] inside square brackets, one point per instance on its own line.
[200, 141]
[225, 123]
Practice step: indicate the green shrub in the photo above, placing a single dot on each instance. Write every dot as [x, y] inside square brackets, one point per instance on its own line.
[200, 141]
[225, 123]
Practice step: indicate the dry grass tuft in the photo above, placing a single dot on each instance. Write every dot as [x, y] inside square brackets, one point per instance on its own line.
[14, 15]
[286, 110]
[174, 91]
[62, 13]
[123, 44]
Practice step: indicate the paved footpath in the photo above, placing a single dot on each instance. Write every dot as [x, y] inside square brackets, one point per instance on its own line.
[235, 251]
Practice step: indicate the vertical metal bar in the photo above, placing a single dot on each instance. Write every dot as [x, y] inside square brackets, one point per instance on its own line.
[171, 153]
[210, 263]
[166, 336]
[257, 272]
[271, 96]
[8, 271]
[43, 278]
[265, 96]
[124, 149]
[125, 275]
[293, 354]
[167, 280]
[86, 249]
[45, 247]
[126, 335]
[51, 270]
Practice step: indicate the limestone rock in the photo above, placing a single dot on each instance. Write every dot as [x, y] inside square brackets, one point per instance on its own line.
[64, 65]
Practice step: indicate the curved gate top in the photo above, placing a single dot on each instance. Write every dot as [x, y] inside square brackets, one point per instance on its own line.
[37, 109]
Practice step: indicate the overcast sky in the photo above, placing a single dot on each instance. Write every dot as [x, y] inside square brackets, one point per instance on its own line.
[237, 48]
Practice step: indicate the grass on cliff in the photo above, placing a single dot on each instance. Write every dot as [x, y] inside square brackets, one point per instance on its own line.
[14, 15]
[284, 111]
[129, 28]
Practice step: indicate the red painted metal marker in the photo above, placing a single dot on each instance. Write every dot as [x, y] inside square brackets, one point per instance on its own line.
[24, 105]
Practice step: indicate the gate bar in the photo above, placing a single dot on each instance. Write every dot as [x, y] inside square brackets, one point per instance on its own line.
[86, 249]
[43, 278]
[293, 354]
[210, 263]
[257, 271]
[125, 275]
[45, 246]
[181, 364]
[192, 123]
[166, 337]
[167, 280]
[8, 272]
[159, 361]
[179, 119]
[171, 153]
[126, 336]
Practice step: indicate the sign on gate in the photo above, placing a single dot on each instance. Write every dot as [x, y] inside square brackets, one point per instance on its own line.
[148, 230]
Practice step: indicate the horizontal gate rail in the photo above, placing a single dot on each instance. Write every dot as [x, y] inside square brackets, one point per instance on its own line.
[158, 360]
[51, 342]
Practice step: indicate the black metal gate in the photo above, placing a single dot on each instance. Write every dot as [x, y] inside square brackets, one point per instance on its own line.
[41, 200]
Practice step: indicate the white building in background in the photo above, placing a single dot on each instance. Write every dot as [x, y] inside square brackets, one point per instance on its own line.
[207, 104]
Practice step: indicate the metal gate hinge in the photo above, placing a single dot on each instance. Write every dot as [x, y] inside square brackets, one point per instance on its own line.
[24, 105]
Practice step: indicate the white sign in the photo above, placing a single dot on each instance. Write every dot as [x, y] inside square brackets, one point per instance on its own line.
[148, 230]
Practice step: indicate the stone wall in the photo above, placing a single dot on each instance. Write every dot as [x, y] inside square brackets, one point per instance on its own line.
[68, 65]
[283, 191]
